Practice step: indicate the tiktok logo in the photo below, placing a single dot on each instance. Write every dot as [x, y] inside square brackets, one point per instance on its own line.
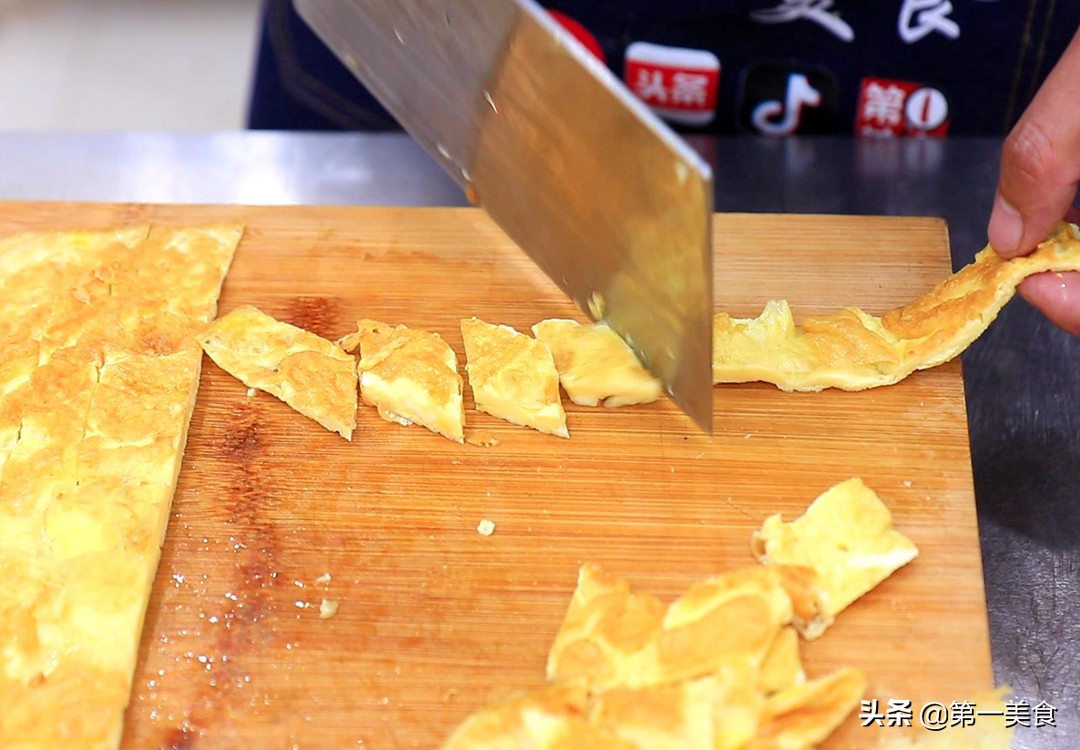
[799, 94]
[780, 100]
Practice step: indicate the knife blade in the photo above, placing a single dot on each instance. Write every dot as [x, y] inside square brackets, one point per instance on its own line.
[611, 204]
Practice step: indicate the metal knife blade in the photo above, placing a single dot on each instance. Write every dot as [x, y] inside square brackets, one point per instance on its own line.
[607, 200]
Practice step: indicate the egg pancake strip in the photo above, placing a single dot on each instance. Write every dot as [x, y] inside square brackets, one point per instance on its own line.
[513, 377]
[595, 365]
[845, 536]
[854, 350]
[410, 376]
[309, 373]
[94, 410]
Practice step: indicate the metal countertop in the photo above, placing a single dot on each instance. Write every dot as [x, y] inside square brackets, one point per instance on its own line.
[1021, 378]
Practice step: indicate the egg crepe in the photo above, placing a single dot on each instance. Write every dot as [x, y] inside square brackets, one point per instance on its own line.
[410, 376]
[782, 667]
[717, 669]
[806, 714]
[845, 536]
[513, 376]
[720, 711]
[614, 637]
[595, 365]
[312, 375]
[854, 350]
[95, 401]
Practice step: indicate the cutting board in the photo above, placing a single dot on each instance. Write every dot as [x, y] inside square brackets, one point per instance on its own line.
[434, 619]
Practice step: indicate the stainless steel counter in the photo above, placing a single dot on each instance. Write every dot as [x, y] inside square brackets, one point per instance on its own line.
[1022, 377]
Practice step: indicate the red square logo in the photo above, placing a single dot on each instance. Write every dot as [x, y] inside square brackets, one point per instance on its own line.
[889, 108]
[677, 83]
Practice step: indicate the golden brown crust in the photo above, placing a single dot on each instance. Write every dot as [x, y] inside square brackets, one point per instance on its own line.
[513, 376]
[39, 267]
[312, 375]
[410, 376]
[94, 410]
[595, 365]
[853, 350]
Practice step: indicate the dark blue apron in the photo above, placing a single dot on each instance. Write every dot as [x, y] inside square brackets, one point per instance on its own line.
[900, 67]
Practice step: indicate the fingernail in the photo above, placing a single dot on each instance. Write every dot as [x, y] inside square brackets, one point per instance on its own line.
[1006, 227]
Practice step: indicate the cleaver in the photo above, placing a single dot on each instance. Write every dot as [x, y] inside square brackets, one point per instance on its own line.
[610, 203]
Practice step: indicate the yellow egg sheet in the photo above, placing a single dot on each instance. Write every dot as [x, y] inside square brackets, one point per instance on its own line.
[95, 401]
[854, 350]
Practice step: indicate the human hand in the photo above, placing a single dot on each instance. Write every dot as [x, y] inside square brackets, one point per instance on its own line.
[1040, 168]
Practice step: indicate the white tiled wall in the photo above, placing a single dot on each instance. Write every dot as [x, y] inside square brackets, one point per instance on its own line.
[126, 64]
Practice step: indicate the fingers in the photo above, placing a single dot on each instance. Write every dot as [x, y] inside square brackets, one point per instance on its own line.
[1057, 296]
[1040, 162]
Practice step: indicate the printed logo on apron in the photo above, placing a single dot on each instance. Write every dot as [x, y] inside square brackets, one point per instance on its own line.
[679, 84]
[782, 99]
[889, 108]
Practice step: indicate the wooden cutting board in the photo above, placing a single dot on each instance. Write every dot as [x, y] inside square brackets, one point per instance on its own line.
[435, 619]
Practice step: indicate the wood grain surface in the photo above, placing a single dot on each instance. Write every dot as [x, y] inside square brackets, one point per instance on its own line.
[435, 619]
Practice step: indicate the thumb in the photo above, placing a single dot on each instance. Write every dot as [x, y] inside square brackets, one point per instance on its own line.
[1040, 162]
